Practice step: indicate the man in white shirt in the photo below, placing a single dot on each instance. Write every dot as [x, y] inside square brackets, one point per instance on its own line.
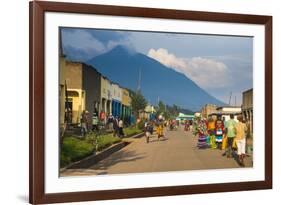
[120, 125]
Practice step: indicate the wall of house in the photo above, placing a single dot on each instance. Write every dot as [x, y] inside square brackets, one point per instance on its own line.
[247, 99]
[247, 109]
[231, 109]
[126, 99]
[106, 96]
[208, 109]
[126, 105]
[73, 75]
[116, 100]
[75, 92]
[61, 91]
[78, 99]
[91, 83]
[117, 92]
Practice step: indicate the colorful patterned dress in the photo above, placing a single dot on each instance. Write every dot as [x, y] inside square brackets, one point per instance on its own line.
[202, 133]
[212, 136]
[219, 131]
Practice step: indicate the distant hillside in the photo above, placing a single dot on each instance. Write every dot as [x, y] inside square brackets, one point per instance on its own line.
[157, 80]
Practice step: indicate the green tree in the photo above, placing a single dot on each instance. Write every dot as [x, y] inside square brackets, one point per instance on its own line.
[162, 109]
[175, 110]
[138, 102]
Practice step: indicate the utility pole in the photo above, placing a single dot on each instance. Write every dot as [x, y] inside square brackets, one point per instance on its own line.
[139, 81]
[230, 98]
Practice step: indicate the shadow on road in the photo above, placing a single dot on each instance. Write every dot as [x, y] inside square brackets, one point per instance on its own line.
[122, 156]
[157, 140]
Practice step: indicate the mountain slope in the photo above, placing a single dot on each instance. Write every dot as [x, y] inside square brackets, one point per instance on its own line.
[157, 81]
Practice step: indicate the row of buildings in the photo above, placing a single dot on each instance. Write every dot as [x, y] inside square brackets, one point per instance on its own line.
[246, 109]
[82, 87]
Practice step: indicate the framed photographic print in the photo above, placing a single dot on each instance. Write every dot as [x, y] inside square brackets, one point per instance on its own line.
[139, 102]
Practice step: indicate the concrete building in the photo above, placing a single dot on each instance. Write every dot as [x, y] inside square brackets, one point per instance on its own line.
[126, 110]
[91, 84]
[62, 86]
[182, 117]
[197, 114]
[106, 96]
[83, 89]
[148, 112]
[208, 109]
[247, 108]
[62, 91]
[116, 100]
[226, 111]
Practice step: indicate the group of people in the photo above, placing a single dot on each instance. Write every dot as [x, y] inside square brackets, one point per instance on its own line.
[112, 123]
[117, 124]
[85, 122]
[149, 129]
[187, 125]
[220, 134]
[173, 124]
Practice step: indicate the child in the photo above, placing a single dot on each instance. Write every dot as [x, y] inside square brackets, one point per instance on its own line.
[219, 132]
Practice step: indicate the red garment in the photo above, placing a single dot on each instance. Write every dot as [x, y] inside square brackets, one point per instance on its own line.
[102, 115]
[219, 125]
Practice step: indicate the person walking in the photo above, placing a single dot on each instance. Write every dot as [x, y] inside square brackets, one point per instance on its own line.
[110, 122]
[148, 130]
[95, 122]
[195, 126]
[115, 127]
[219, 132]
[83, 121]
[211, 140]
[202, 133]
[230, 135]
[160, 130]
[120, 125]
[241, 130]
[186, 126]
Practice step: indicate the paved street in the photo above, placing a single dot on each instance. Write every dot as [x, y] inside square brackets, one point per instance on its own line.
[176, 153]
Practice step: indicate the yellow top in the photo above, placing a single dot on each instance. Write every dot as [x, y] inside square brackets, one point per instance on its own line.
[159, 130]
[241, 130]
[211, 125]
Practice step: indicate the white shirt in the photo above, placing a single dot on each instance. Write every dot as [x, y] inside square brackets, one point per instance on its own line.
[120, 124]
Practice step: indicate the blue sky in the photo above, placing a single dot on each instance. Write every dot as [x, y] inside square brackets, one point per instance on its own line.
[218, 64]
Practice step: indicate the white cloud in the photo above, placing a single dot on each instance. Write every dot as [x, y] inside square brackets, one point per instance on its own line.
[89, 45]
[207, 73]
[80, 39]
[123, 42]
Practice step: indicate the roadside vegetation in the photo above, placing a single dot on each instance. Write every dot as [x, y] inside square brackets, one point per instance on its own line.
[131, 131]
[74, 148]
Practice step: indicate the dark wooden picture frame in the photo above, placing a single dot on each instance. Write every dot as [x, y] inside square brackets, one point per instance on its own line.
[37, 193]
